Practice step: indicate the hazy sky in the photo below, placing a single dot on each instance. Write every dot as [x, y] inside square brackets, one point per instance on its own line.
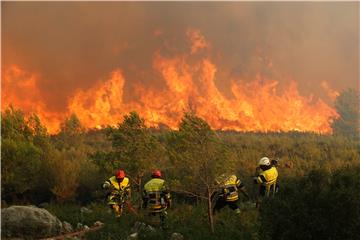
[74, 44]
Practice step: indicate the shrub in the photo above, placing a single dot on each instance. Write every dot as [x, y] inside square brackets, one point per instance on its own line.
[322, 205]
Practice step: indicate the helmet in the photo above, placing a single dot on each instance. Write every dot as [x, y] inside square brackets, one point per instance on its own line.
[120, 174]
[156, 173]
[264, 161]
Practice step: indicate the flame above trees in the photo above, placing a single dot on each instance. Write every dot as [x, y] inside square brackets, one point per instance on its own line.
[19, 88]
[255, 105]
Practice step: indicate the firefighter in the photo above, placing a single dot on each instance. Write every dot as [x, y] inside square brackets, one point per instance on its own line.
[227, 194]
[156, 196]
[119, 185]
[266, 178]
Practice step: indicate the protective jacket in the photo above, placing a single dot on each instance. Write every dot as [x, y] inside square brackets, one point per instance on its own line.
[118, 188]
[156, 196]
[230, 188]
[268, 179]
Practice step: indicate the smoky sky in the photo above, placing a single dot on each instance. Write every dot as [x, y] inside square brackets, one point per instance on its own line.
[74, 44]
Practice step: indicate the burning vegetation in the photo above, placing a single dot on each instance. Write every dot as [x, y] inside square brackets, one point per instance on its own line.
[257, 104]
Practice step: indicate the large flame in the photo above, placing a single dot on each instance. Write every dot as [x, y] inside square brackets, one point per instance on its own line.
[256, 104]
[101, 105]
[19, 88]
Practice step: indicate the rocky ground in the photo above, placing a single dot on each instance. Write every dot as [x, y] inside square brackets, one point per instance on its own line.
[31, 222]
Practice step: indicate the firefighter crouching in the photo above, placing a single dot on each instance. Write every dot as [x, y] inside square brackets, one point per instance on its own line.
[227, 194]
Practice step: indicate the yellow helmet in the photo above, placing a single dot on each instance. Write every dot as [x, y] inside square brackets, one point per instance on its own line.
[264, 161]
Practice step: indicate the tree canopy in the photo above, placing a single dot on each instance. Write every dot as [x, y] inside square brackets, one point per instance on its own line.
[347, 105]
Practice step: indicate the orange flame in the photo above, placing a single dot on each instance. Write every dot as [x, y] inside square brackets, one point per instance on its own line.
[101, 105]
[20, 89]
[256, 105]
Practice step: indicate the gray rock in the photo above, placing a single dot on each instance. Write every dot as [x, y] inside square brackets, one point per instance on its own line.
[79, 226]
[85, 210]
[25, 221]
[134, 236]
[98, 223]
[176, 236]
[66, 227]
[142, 227]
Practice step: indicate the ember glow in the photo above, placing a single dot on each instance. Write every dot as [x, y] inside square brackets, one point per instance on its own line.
[256, 104]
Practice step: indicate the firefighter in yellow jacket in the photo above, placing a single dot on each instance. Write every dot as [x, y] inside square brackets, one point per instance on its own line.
[227, 193]
[120, 191]
[266, 178]
[156, 196]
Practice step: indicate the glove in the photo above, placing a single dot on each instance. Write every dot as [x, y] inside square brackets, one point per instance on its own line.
[105, 186]
[255, 180]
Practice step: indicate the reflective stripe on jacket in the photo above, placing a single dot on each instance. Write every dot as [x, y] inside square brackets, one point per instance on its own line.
[125, 183]
[268, 177]
[123, 187]
[156, 195]
[230, 188]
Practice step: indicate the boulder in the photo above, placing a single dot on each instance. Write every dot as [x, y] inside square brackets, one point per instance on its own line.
[29, 221]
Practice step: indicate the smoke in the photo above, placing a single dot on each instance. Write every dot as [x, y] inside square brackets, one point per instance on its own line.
[70, 46]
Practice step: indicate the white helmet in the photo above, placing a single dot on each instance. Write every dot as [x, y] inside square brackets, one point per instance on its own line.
[264, 161]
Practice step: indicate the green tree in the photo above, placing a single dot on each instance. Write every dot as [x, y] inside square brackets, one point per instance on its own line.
[20, 154]
[199, 157]
[66, 171]
[42, 140]
[135, 148]
[71, 133]
[347, 105]
[71, 156]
